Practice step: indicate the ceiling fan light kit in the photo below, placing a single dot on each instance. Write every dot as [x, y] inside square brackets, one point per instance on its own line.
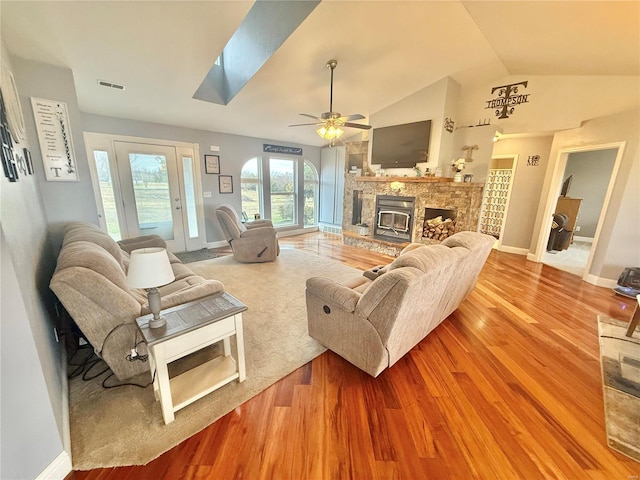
[329, 123]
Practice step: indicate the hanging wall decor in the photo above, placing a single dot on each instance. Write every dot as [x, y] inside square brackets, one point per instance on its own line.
[56, 144]
[533, 160]
[449, 124]
[508, 98]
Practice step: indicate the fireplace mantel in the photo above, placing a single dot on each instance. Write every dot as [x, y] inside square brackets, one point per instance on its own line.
[432, 192]
[405, 179]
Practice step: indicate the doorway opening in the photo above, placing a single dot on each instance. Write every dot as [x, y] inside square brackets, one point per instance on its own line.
[577, 206]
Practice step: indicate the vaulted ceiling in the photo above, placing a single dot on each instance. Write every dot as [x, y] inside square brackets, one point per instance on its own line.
[387, 50]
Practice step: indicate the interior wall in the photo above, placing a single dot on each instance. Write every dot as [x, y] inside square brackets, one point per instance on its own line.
[617, 246]
[554, 103]
[430, 103]
[526, 187]
[63, 201]
[481, 137]
[591, 172]
[34, 389]
[235, 150]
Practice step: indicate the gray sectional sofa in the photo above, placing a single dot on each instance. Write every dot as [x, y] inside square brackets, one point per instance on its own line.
[374, 319]
[90, 282]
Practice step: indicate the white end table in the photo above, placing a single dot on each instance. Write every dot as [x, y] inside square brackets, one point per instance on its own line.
[192, 327]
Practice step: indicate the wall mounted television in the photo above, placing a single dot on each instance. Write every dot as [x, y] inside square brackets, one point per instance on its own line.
[401, 146]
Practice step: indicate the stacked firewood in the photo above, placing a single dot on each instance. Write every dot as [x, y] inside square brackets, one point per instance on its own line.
[439, 229]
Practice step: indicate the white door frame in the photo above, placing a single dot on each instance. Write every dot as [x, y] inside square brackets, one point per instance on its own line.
[106, 142]
[554, 192]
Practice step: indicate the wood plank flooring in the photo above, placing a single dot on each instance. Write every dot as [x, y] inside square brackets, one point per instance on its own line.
[508, 387]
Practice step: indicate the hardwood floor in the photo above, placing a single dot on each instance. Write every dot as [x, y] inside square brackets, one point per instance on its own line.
[508, 387]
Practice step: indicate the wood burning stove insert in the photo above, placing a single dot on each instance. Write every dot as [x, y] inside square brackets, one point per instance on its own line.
[394, 218]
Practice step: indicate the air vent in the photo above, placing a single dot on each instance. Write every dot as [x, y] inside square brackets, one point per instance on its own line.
[104, 83]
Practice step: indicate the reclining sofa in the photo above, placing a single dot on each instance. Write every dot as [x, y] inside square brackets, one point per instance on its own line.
[374, 319]
[90, 282]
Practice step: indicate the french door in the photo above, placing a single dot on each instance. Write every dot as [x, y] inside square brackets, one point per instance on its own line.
[147, 189]
[151, 192]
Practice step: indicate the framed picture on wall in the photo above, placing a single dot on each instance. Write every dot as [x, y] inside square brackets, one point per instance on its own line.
[226, 183]
[212, 163]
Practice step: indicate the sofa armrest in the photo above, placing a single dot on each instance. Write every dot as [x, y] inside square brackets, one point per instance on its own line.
[259, 232]
[258, 224]
[146, 241]
[334, 293]
[375, 272]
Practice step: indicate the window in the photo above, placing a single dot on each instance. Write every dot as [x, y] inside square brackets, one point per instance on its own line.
[107, 195]
[251, 188]
[310, 194]
[190, 197]
[282, 174]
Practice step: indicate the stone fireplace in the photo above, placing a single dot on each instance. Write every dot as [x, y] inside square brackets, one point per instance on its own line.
[464, 200]
[394, 218]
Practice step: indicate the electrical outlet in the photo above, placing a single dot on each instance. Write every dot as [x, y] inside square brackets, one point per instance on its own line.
[578, 227]
[206, 194]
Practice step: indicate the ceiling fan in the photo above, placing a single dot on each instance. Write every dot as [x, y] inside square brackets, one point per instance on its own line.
[329, 123]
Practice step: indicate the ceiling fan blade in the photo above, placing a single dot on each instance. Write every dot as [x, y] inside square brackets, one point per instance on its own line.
[355, 116]
[304, 124]
[310, 116]
[357, 125]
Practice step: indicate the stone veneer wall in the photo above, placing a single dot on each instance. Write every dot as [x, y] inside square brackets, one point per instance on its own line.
[466, 198]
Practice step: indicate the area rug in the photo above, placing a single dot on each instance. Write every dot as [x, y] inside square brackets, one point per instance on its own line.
[197, 256]
[124, 426]
[620, 361]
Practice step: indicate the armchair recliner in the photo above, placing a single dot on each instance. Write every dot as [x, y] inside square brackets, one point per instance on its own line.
[251, 242]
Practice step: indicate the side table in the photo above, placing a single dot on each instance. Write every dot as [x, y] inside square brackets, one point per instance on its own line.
[192, 327]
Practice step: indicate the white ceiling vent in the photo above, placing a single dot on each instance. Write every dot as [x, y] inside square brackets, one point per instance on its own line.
[104, 83]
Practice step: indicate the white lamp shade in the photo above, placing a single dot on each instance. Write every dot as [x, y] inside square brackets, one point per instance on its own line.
[149, 267]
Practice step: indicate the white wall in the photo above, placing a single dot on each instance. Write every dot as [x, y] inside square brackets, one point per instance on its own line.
[618, 244]
[526, 189]
[434, 103]
[34, 390]
[555, 102]
[590, 178]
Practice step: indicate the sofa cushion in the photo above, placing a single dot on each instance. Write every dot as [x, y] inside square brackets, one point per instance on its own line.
[92, 256]
[87, 232]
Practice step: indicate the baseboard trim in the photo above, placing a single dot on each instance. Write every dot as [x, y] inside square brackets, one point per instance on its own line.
[297, 231]
[532, 257]
[58, 469]
[516, 250]
[218, 244]
[330, 229]
[583, 239]
[599, 281]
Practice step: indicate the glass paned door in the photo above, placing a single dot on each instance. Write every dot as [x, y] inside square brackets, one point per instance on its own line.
[151, 192]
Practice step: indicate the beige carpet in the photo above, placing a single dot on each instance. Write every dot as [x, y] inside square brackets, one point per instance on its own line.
[620, 361]
[123, 426]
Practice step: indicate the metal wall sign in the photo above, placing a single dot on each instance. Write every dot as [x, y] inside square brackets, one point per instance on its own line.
[508, 98]
[281, 149]
[533, 161]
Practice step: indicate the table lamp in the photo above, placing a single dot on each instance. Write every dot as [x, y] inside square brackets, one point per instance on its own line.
[149, 268]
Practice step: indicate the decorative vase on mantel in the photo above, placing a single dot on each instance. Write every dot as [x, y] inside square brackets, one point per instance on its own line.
[457, 177]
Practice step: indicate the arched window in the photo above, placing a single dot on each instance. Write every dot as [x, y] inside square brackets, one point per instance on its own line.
[310, 194]
[251, 188]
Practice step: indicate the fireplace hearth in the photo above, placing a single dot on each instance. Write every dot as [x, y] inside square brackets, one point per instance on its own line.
[394, 218]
